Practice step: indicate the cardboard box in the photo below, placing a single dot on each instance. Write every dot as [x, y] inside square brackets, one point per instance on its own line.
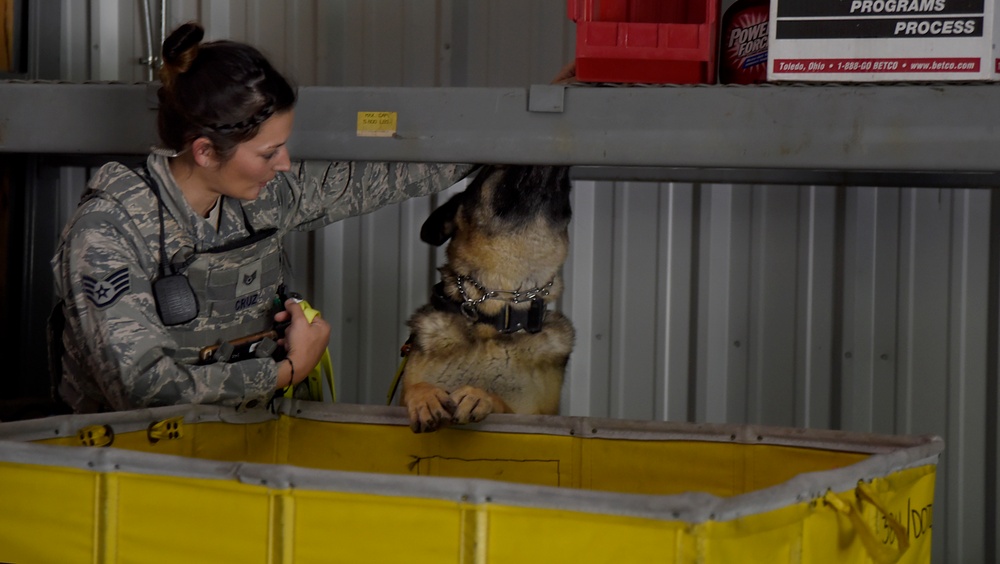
[882, 40]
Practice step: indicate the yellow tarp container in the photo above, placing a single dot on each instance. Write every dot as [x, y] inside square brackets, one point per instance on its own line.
[317, 482]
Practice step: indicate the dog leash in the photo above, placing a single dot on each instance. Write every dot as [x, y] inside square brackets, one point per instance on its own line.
[404, 352]
[324, 368]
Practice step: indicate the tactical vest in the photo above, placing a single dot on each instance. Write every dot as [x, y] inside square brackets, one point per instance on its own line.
[234, 284]
[235, 288]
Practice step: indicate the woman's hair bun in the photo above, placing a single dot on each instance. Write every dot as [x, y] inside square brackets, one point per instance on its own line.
[222, 90]
[179, 50]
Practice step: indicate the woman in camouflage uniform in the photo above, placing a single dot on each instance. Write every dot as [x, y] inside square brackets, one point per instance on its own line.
[161, 261]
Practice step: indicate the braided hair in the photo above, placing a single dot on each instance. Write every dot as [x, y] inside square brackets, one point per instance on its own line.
[221, 90]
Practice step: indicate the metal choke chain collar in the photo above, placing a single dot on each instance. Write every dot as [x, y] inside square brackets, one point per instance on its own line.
[517, 296]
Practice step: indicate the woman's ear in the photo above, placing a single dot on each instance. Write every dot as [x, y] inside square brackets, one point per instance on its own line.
[203, 152]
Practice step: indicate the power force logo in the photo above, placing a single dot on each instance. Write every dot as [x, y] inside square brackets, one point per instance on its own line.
[745, 47]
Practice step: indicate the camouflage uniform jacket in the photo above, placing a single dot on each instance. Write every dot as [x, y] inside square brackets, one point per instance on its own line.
[117, 352]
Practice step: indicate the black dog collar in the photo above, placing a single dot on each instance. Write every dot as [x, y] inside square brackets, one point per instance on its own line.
[509, 320]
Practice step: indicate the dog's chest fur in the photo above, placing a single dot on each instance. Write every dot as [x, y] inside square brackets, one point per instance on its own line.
[455, 352]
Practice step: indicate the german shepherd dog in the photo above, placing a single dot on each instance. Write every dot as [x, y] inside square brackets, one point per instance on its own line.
[487, 342]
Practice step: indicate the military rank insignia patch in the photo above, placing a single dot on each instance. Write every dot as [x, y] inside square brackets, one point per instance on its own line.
[103, 293]
[249, 280]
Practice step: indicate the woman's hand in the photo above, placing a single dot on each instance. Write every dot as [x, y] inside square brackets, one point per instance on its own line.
[304, 342]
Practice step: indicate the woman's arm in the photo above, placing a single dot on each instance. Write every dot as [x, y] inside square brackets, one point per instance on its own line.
[323, 192]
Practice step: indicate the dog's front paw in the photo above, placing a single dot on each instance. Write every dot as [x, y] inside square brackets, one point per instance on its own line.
[471, 405]
[430, 407]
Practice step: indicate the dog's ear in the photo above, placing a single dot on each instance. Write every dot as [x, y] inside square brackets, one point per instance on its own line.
[440, 225]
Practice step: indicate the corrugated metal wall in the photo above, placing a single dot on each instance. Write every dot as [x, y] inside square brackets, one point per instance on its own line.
[858, 308]
[855, 308]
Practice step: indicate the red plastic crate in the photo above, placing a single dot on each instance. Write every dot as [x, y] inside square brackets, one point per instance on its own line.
[646, 41]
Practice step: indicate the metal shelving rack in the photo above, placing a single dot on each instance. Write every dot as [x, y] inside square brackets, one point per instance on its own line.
[897, 135]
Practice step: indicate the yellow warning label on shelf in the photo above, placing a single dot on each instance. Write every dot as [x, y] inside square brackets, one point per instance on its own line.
[376, 124]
